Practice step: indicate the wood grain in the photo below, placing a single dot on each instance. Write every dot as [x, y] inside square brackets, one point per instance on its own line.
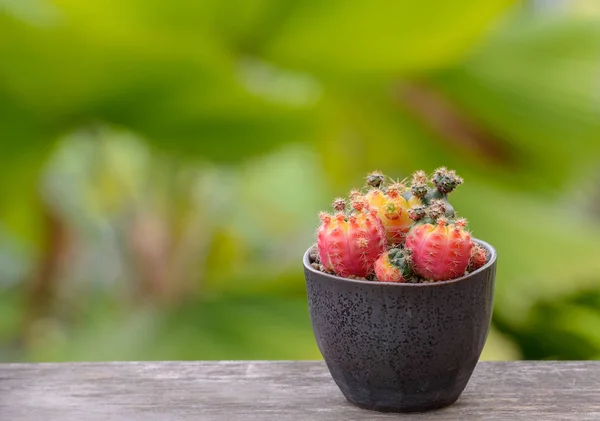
[165, 391]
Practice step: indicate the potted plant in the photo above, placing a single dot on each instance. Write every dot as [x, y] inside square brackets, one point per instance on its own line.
[400, 295]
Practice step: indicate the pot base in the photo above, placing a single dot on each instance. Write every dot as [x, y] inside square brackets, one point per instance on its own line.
[384, 407]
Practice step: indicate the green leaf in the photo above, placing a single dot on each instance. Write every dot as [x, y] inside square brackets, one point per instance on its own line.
[26, 144]
[186, 94]
[379, 37]
[534, 84]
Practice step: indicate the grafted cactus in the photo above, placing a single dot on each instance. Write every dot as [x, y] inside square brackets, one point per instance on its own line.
[396, 231]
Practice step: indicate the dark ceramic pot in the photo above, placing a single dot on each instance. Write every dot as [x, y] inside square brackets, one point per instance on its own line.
[401, 347]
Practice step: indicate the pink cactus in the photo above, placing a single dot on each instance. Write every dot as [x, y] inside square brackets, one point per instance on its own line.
[348, 245]
[440, 251]
[478, 258]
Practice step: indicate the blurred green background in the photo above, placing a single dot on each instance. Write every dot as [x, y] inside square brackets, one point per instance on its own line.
[163, 164]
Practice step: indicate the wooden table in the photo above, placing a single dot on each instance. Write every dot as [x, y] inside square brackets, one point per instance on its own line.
[256, 391]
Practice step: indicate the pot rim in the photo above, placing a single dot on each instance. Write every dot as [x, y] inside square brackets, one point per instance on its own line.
[489, 263]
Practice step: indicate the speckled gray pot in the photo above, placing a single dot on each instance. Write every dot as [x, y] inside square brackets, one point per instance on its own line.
[401, 347]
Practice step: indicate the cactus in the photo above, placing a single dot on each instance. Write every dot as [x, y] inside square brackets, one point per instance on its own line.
[445, 181]
[478, 258]
[350, 242]
[392, 207]
[440, 250]
[394, 265]
[399, 232]
[418, 189]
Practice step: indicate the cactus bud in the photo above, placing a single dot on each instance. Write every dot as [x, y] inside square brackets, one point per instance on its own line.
[446, 180]
[375, 179]
[354, 193]
[417, 213]
[419, 190]
[359, 203]
[478, 258]
[325, 217]
[395, 190]
[461, 223]
[420, 177]
[419, 184]
[437, 209]
[339, 204]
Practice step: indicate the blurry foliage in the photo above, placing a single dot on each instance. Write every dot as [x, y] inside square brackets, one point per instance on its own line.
[163, 164]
